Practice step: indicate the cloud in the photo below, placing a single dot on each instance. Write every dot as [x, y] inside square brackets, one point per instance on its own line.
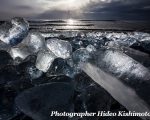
[81, 9]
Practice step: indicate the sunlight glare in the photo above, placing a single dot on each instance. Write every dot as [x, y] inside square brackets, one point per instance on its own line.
[70, 21]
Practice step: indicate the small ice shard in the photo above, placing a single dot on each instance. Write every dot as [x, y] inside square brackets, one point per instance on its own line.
[44, 60]
[16, 32]
[68, 34]
[33, 72]
[143, 41]
[34, 41]
[137, 55]
[142, 45]
[60, 67]
[91, 48]
[4, 46]
[97, 43]
[121, 38]
[4, 31]
[81, 56]
[60, 48]
[76, 44]
[94, 35]
[19, 52]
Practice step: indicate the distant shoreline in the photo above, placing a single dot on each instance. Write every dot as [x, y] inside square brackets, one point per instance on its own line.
[89, 25]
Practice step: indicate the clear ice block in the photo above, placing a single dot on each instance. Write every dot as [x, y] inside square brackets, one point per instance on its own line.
[60, 48]
[14, 32]
[19, 52]
[34, 41]
[44, 60]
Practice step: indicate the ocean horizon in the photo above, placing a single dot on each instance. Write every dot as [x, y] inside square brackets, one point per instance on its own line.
[46, 25]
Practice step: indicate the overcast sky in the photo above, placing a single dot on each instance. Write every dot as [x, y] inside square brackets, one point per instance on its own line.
[79, 9]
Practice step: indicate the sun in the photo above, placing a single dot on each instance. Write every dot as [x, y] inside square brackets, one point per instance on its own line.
[70, 21]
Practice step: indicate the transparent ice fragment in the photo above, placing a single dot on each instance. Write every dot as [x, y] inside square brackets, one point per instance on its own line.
[76, 44]
[4, 46]
[97, 43]
[91, 48]
[69, 34]
[4, 31]
[33, 72]
[81, 55]
[121, 38]
[143, 42]
[60, 48]
[34, 41]
[122, 66]
[44, 60]
[60, 67]
[19, 52]
[94, 35]
[16, 33]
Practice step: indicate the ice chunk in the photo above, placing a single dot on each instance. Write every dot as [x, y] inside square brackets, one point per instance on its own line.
[121, 38]
[33, 72]
[16, 32]
[60, 48]
[94, 35]
[137, 55]
[19, 52]
[143, 43]
[4, 46]
[44, 60]
[97, 43]
[4, 31]
[80, 56]
[122, 66]
[34, 41]
[60, 67]
[76, 44]
[91, 48]
[69, 34]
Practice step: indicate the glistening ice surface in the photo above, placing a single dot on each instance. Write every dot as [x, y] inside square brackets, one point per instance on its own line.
[71, 71]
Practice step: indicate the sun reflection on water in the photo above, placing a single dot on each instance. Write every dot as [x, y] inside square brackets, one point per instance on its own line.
[71, 24]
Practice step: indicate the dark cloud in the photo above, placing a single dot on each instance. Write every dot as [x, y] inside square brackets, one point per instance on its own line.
[96, 9]
[24, 7]
[120, 10]
[59, 14]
